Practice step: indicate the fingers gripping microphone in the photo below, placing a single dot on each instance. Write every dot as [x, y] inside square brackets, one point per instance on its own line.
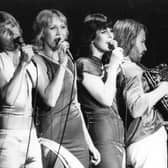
[114, 45]
[19, 41]
[58, 43]
[111, 46]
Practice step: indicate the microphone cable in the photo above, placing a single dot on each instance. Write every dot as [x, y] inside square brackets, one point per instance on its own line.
[71, 95]
[34, 114]
[68, 111]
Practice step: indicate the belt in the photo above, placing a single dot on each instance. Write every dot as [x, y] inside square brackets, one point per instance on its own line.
[15, 122]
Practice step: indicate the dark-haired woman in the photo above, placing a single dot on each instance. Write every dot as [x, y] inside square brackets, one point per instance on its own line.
[97, 88]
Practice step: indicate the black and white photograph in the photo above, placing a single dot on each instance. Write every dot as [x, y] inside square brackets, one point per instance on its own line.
[83, 84]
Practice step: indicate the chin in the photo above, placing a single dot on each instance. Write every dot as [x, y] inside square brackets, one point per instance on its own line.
[107, 50]
[10, 47]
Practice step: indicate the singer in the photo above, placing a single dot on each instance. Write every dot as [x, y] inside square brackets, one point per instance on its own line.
[59, 113]
[97, 89]
[19, 146]
[146, 135]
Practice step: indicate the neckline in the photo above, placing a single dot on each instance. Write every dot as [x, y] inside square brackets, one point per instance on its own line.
[41, 53]
[96, 59]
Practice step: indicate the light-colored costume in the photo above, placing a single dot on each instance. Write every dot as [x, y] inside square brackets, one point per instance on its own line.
[18, 140]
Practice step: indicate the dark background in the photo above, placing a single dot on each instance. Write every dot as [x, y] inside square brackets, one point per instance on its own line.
[153, 13]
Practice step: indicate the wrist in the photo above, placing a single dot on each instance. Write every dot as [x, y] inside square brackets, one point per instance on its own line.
[23, 64]
[91, 148]
[62, 67]
[64, 64]
[112, 68]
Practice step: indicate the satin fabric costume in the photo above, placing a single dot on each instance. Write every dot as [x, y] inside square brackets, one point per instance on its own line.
[104, 123]
[18, 139]
[62, 123]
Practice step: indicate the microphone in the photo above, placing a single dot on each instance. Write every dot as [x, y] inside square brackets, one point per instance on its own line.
[19, 41]
[111, 46]
[58, 42]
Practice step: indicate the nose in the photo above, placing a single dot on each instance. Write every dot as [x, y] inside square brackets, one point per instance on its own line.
[110, 34]
[58, 32]
[16, 32]
[145, 48]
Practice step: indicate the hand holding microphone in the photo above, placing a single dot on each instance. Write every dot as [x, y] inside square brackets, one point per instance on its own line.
[117, 54]
[26, 50]
[63, 50]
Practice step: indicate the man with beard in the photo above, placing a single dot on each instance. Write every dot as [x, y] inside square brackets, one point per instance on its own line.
[146, 134]
[19, 146]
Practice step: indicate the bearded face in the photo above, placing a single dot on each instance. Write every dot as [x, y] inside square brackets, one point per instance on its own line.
[139, 48]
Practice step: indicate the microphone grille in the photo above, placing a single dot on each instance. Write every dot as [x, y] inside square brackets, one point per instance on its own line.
[19, 41]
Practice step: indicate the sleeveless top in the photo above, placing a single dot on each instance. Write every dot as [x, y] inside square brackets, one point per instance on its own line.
[66, 98]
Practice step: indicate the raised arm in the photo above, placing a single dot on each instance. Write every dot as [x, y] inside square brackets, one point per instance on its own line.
[50, 90]
[16, 86]
[104, 92]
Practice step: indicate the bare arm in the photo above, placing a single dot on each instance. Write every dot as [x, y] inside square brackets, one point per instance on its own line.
[96, 158]
[15, 86]
[104, 92]
[50, 90]
[11, 89]
[53, 90]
